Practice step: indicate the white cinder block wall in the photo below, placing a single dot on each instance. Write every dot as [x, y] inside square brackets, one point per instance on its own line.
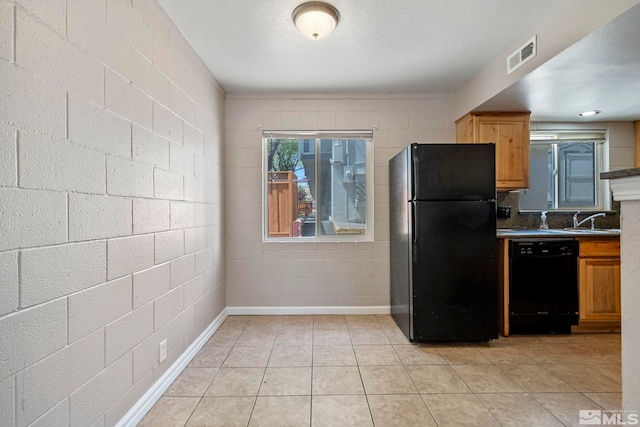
[111, 236]
[295, 275]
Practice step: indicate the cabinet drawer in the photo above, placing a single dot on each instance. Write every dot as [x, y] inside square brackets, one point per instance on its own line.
[599, 247]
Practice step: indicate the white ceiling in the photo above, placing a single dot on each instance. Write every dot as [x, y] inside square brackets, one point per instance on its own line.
[600, 72]
[412, 46]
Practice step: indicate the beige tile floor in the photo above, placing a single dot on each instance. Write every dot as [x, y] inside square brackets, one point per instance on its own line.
[362, 371]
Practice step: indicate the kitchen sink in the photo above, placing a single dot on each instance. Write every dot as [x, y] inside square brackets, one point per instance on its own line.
[592, 231]
[566, 232]
[530, 230]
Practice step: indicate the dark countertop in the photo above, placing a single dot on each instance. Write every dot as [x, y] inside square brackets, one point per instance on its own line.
[625, 173]
[510, 233]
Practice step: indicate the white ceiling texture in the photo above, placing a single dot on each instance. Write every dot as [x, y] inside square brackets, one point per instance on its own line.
[412, 46]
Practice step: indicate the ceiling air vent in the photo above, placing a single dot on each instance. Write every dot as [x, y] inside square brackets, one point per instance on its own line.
[522, 55]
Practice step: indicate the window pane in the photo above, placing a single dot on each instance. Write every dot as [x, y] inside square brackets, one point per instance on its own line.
[576, 175]
[540, 194]
[343, 180]
[571, 185]
[290, 199]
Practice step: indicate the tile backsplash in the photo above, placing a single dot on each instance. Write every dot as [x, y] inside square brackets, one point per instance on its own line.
[555, 219]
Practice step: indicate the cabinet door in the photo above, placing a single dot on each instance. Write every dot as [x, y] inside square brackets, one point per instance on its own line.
[600, 289]
[511, 135]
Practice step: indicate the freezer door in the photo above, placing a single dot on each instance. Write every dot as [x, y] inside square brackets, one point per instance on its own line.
[453, 172]
[454, 265]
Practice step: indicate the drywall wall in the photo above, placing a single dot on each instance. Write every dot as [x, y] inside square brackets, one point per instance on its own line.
[630, 251]
[571, 21]
[626, 189]
[111, 237]
[313, 276]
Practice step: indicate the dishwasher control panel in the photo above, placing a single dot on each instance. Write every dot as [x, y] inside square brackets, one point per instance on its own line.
[543, 248]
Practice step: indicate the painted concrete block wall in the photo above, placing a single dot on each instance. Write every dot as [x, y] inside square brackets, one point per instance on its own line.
[303, 274]
[111, 236]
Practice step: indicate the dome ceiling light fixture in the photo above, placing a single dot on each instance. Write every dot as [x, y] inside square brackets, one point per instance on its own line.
[315, 19]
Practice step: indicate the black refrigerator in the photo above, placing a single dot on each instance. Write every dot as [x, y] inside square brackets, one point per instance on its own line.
[443, 244]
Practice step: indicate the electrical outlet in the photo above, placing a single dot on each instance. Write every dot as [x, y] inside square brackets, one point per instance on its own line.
[504, 212]
[162, 351]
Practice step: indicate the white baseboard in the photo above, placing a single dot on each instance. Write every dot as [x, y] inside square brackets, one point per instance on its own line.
[262, 310]
[146, 402]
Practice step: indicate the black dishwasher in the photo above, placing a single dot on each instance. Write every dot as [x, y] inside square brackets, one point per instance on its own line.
[543, 286]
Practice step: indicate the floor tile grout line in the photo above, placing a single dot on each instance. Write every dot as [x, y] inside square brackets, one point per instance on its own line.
[545, 409]
[311, 391]
[543, 367]
[487, 409]
[193, 411]
[364, 390]
[255, 401]
[419, 394]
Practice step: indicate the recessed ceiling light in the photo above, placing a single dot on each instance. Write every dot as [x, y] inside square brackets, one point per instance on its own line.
[589, 113]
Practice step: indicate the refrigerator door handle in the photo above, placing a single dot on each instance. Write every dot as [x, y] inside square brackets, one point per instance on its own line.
[414, 231]
[413, 170]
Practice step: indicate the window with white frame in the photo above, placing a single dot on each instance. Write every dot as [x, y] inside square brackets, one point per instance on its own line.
[318, 186]
[564, 171]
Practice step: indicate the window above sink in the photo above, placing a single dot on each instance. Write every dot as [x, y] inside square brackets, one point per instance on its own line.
[564, 171]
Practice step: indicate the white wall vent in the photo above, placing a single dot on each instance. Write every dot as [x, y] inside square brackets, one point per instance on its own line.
[522, 55]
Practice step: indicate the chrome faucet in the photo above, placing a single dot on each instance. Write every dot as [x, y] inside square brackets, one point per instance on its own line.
[593, 217]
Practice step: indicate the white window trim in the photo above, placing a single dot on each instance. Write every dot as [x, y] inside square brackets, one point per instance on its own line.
[368, 236]
[602, 190]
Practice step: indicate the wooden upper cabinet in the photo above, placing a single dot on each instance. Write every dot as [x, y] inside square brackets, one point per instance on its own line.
[510, 133]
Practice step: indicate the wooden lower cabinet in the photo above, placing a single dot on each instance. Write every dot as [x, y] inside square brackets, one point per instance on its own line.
[599, 282]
